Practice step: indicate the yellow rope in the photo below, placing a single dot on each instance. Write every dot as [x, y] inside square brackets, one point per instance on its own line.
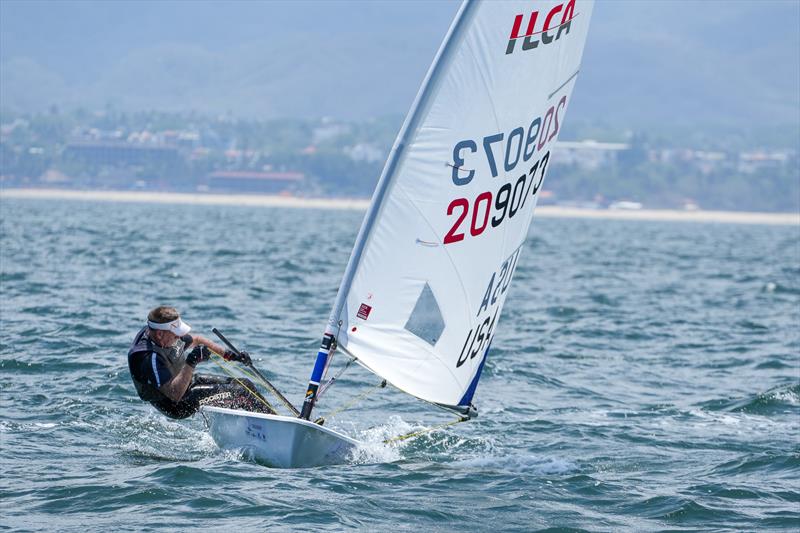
[254, 376]
[244, 370]
[423, 431]
[221, 362]
[366, 393]
[251, 373]
[351, 403]
[231, 374]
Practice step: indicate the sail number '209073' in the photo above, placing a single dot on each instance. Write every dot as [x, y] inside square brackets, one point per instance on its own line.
[520, 146]
[508, 201]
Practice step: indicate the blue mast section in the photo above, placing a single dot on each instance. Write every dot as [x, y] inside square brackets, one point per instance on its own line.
[409, 127]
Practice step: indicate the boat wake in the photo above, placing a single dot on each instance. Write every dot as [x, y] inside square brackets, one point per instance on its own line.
[477, 453]
[153, 436]
[376, 445]
[386, 443]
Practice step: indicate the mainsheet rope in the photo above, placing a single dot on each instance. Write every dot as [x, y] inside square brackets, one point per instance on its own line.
[424, 431]
[351, 403]
[403, 437]
[222, 363]
[369, 391]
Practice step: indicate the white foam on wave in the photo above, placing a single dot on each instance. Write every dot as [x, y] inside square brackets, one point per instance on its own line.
[22, 427]
[156, 436]
[719, 418]
[520, 464]
[374, 448]
[787, 396]
[397, 439]
[729, 425]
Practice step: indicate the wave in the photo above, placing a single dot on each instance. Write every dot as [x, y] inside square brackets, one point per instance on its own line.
[720, 490]
[773, 364]
[520, 464]
[155, 437]
[678, 509]
[399, 440]
[774, 401]
[780, 288]
[785, 464]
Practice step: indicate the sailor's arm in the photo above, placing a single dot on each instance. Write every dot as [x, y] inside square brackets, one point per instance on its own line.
[197, 340]
[175, 388]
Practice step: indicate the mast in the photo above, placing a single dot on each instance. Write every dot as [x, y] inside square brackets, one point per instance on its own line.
[384, 183]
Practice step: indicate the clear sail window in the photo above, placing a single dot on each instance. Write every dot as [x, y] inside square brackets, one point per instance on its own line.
[426, 320]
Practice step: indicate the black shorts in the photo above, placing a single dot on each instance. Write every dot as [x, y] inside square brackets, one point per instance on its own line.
[215, 391]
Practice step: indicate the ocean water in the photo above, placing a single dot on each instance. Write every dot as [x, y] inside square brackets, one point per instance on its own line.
[644, 376]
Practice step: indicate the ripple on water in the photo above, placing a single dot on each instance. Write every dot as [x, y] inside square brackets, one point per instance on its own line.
[642, 377]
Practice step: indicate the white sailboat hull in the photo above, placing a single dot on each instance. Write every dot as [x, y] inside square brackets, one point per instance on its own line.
[278, 441]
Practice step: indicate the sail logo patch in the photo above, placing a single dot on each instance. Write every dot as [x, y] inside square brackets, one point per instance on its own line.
[533, 37]
[364, 311]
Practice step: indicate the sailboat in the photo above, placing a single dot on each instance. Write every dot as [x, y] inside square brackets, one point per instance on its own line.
[423, 290]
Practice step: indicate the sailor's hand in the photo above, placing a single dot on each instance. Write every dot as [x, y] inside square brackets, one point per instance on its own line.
[198, 355]
[241, 357]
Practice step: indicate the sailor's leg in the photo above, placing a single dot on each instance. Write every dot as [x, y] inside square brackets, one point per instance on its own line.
[209, 379]
[248, 397]
[233, 393]
[182, 409]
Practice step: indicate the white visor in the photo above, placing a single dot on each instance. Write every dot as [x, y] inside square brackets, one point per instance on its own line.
[177, 326]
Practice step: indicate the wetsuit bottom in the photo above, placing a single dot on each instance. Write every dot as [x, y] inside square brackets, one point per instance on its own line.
[215, 391]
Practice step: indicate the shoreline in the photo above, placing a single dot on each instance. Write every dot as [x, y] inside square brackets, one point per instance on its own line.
[361, 204]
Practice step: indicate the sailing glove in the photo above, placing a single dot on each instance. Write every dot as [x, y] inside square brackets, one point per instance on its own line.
[198, 355]
[241, 357]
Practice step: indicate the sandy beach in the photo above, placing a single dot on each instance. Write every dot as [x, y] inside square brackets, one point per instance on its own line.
[255, 200]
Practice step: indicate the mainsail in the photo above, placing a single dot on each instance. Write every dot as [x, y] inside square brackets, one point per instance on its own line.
[430, 271]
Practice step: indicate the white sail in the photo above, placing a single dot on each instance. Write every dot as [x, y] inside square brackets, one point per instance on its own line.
[430, 272]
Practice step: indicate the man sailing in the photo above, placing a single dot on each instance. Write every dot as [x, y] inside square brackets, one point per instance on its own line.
[162, 361]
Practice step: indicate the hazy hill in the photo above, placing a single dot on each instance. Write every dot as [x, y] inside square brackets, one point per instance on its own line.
[647, 65]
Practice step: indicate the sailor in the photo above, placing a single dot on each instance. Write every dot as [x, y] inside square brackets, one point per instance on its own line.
[162, 361]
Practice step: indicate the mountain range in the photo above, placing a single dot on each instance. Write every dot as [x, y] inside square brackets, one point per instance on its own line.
[655, 64]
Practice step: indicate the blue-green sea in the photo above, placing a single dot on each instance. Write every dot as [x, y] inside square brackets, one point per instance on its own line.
[644, 376]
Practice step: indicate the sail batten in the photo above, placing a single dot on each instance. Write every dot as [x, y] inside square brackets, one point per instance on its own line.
[425, 285]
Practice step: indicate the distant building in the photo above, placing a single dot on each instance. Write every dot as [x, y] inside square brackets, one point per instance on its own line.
[587, 154]
[120, 153]
[751, 162]
[254, 182]
[7, 129]
[55, 178]
[328, 131]
[625, 205]
[364, 152]
[707, 162]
